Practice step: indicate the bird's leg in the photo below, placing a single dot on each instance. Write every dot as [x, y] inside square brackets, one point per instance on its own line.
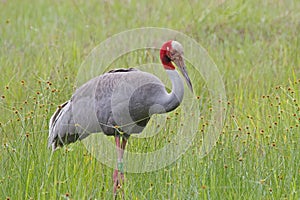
[119, 168]
[116, 172]
[120, 161]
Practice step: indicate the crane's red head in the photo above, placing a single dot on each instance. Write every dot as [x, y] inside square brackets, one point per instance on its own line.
[165, 55]
[172, 52]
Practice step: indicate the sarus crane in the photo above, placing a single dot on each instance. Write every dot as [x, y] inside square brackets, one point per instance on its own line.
[119, 109]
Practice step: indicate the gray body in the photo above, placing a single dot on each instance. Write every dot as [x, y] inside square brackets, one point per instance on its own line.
[118, 101]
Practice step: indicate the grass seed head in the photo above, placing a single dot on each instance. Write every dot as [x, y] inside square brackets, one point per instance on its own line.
[270, 190]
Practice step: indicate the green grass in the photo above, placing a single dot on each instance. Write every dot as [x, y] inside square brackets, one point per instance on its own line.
[256, 48]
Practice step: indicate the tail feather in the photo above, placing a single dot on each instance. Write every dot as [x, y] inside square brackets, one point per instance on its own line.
[59, 125]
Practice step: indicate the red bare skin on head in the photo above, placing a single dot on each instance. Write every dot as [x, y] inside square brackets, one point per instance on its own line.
[165, 55]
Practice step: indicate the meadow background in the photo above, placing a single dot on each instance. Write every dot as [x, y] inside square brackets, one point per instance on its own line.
[255, 45]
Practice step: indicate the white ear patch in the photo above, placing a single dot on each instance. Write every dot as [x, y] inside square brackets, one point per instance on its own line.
[177, 46]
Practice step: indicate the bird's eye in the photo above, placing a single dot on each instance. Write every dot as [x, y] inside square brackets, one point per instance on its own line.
[166, 59]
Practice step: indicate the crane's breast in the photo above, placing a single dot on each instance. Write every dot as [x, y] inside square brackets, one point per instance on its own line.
[126, 99]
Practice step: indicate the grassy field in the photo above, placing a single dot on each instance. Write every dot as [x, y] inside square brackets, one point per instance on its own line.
[256, 47]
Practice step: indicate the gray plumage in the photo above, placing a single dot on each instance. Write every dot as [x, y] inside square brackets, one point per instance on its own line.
[121, 100]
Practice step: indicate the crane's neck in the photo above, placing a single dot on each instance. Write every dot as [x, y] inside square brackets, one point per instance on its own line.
[174, 98]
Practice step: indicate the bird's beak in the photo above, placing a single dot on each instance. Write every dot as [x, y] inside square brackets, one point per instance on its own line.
[180, 64]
